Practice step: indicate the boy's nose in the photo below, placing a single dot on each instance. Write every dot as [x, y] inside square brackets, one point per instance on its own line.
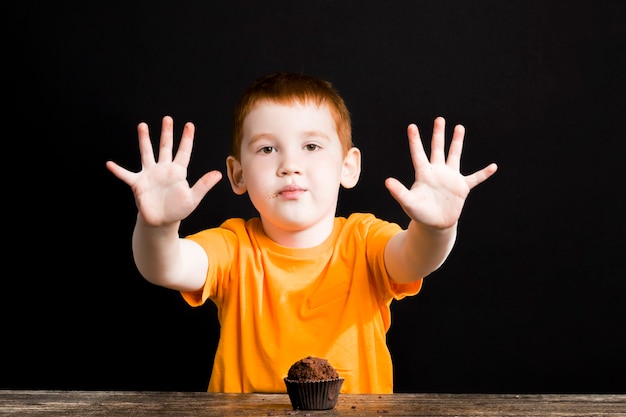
[289, 165]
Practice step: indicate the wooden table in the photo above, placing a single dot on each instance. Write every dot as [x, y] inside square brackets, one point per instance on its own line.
[202, 404]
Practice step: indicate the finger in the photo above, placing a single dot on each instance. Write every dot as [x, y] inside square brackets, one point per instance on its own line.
[397, 189]
[167, 139]
[145, 145]
[204, 184]
[456, 148]
[123, 174]
[183, 154]
[437, 152]
[479, 176]
[416, 147]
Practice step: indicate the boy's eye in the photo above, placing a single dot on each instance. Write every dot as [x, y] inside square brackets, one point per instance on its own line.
[267, 149]
[311, 147]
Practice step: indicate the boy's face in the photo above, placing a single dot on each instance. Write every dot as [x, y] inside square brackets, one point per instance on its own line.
[292, 165]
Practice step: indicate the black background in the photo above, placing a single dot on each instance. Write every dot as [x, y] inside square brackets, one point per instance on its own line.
[532, 298]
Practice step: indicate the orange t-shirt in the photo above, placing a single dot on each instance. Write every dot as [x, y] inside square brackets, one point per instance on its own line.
[277, 305]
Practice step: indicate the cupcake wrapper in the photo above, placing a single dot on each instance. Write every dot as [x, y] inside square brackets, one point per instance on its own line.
[314, 395]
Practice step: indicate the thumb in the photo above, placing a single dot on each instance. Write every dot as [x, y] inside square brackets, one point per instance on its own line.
[396, 188]
[205, 183]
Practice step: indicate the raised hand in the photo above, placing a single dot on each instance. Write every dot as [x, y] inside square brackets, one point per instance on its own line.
[438, 194]
[162, 193]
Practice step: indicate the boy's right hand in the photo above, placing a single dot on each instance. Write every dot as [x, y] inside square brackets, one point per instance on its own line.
[162, 193]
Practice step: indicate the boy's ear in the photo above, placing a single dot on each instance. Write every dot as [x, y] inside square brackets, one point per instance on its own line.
[351, 168]
[235, 175]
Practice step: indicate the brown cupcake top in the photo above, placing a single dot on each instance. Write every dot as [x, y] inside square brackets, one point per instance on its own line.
[312, 368]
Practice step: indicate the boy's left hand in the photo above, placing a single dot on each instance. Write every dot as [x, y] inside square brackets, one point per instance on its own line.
[438, 194]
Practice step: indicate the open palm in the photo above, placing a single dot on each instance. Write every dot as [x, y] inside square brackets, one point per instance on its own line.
[438, 194]
[161, 190]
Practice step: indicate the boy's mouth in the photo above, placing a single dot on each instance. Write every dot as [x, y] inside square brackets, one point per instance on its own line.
[290, 192]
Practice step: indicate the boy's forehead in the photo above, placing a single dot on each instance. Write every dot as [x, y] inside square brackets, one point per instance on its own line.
[288, 106]
[267, 113]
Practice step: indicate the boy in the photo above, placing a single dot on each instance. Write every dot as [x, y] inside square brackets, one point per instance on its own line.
[296, 280]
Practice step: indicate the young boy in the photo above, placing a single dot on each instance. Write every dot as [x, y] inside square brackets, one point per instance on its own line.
[296, 280]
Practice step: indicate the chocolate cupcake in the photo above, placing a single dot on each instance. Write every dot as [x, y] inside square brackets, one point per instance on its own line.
[313, 384]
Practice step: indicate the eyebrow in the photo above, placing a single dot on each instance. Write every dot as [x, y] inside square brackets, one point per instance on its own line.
[305, 135]
[316, 133]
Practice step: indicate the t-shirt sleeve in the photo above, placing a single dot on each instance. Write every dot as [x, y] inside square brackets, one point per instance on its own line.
[219, 245]
[401, 290]
[378, 232]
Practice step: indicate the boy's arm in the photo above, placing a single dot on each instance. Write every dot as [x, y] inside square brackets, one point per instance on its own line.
[417, 251]
[164, 259]
[163, 198]
[434, 203]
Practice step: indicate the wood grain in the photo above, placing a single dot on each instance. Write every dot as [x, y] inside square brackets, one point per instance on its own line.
[202, 404]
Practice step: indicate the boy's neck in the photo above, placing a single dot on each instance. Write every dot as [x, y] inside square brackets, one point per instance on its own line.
[307, 237]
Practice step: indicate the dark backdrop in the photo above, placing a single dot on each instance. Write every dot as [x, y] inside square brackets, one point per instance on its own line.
[532, 298]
